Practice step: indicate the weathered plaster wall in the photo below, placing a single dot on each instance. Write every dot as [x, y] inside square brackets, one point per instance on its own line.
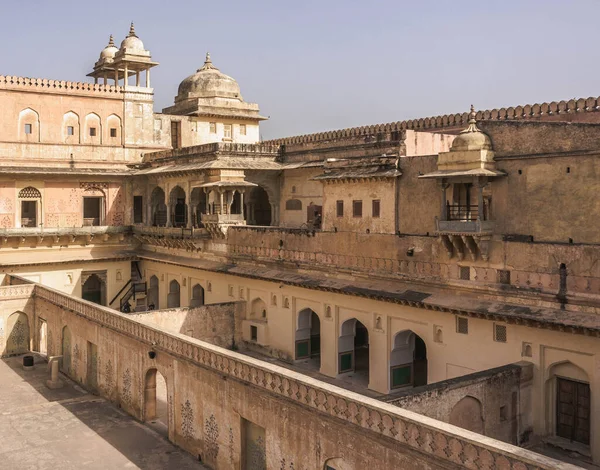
[297, 184]
[219, 324]
[503, 396]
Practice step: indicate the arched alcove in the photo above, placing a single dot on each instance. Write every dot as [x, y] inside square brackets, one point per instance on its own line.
[308, 336]
[408, 360]
[178, 207]
[159, 207]
[258, 308]
[353, 349]
[70, 128]
[174, 296]
[17, 334]
[93, 288]
[468, 414]
[197, 299]
[258, 207]
[93, 129]
[152, 295]
[29, 126]
[113, 124]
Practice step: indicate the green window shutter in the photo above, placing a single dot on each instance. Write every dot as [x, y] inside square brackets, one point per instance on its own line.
[401, 376]
[302, 349]
[346, 362]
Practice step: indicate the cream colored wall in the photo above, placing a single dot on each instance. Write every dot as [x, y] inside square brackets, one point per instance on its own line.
[367, 191]
[67, 277]
[306, 190]
[426, 143]
[456, 355]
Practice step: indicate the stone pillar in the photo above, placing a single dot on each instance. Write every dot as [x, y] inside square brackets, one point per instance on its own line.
[169, 213]
[116, 77]
[480, 182]
[148, 78]
[221, 198]
[444, 201]
[126, 76]
[272, 214]
[149, 214]
[54, 381]
[137, 78]
[105, 78]
[242, 202]
[207, 192]
[95, 80]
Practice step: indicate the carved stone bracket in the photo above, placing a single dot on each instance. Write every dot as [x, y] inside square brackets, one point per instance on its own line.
[483, 243]
[459, 246]
[470, 245]
[445, 240]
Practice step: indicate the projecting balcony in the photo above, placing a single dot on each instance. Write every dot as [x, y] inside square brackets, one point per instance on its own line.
[67, 235]
[463, 219]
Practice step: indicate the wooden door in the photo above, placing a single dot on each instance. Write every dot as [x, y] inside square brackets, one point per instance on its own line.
[573, 410]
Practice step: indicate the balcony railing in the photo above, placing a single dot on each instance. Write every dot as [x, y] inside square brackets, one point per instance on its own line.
[58, 231]
[172, 232]
[464, 218]
[223, 218]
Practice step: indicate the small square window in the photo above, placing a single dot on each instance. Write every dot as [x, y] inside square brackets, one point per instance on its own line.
[356, 208]
[462, 325]
[376, 208]
[339, 208]
[92, 132]
[500, 333]
[113, 131]
[70, 130]
[253, 333]
[503, 276]
[242, 129]
[465, 273]
[230, 291]
[28, 129]
[213, 127]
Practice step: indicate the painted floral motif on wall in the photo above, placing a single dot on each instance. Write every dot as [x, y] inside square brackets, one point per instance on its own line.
[187, 420]
[211, 436]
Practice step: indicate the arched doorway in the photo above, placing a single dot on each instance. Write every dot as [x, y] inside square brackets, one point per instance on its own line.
[156, 410]
[197, 299]
[236, 203]
[17, 329]
[178, 207]
[308, 336]
[159, 208]
[93, 288]
[353, 349]
[198, 202]
[31, 199]
[258, 209]
[43, 337]
[152, 296]
[66, 350]
[468, 414]
[569, 402]
[174, 297]
[408, 360]
[94, 207]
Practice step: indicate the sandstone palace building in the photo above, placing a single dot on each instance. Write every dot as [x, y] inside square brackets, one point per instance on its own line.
[422, 294]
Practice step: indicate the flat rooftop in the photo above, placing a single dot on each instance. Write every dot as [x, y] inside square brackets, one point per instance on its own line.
[70, 428]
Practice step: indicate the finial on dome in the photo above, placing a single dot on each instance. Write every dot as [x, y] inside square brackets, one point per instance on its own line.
[207, 64]
[472, 127]
[132, 30]
[111, 42]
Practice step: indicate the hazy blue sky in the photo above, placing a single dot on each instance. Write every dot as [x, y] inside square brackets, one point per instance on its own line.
[318, 65]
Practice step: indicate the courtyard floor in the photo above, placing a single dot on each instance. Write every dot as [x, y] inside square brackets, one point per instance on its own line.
[71, 429]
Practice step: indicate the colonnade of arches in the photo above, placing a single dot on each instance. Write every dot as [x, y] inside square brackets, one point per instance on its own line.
[197, 298]
[180, 209]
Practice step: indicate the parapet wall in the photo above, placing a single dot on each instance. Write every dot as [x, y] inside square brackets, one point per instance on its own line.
[44, 85]
[214, 396]
[494, 402]
[580, 110]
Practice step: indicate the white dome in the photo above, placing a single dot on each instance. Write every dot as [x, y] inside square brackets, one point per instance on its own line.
[132, 42]
[108, 53]
[208, 82]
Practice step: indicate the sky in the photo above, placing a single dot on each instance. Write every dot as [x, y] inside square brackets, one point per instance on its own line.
[319, 65]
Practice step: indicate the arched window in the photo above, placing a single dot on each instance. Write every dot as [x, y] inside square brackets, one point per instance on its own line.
[113, 124]
[93, 129]
[29, 125]
[71, 132]
[30, 206]
[159, 208]
[258, 308]
[174, 297]
[197, 296]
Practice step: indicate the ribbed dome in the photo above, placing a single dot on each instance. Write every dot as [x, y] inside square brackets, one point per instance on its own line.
[109, 51]
[208, 82]
[132, 42]
[471, 138]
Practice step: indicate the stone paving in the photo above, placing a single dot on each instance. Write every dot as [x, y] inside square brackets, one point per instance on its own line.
[71, 429]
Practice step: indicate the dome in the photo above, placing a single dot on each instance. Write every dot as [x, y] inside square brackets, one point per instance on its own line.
[471, 138]
[208, 82]
[132, 42]
[109, 51]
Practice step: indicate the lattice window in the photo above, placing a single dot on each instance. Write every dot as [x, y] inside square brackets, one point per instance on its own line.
[465, 273]
[503, 276]
[500, 333]
[29, 193]
[462, 325]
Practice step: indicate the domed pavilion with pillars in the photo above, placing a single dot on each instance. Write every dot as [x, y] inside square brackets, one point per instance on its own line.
[120, 64]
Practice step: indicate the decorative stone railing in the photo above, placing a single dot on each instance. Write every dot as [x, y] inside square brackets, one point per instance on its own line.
[450, 121]
[22, 291]
[441, 441]
[62, 231]
[465, 226]
[247, 150]
[172, 232]
[57, 86]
